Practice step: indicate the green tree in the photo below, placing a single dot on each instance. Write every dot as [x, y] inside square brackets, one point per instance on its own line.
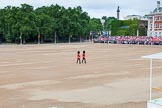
[29, 24]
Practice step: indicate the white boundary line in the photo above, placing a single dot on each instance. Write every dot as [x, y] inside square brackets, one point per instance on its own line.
[18, 64]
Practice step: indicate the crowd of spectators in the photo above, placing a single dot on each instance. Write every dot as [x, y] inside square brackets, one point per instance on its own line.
[145, 40]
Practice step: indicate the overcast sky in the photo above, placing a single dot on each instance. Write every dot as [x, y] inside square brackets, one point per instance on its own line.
[95, 8]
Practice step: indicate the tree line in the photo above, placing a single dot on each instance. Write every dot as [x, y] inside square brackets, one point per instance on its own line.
[55, 23]
[129, 27]
[45, 23]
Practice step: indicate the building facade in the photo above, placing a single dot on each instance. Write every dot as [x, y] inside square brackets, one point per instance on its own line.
[155, 22]
[131, 17]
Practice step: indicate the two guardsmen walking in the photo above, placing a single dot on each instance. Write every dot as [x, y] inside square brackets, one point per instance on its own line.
[83, 57]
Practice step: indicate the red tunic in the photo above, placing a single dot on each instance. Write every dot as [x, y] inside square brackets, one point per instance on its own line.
[78, 56]
[84, 56]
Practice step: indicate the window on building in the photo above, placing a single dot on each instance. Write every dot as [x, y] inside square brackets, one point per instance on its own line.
[160, 18]
[156, 25]
[150, 33]
[151, 20]
[156, 34]
[159, 33]
[151, 26]
[156, 18]
[160, 25]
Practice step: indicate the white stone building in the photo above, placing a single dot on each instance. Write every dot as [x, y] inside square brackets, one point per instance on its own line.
[155, 22]
[131, 17]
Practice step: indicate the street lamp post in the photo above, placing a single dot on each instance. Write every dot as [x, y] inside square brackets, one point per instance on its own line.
[38, 37]
[92, 38]
[107, 36]
[70, 38]
[103, 22]
[91, 35]
[21, 38]
[137, 32]
[55, 37]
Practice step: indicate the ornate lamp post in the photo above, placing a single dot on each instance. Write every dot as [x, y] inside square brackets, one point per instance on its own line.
[55, 38]
[70, 38]
[38, 36]
[21, 38]
[102, 22]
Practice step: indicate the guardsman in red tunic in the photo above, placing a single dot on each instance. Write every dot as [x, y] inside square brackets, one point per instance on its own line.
[84, 57]
[78, 57]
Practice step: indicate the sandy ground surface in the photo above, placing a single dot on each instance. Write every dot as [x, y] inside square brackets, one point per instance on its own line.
[47, 76]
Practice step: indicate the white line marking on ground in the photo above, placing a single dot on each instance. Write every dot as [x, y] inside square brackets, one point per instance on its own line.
[17, 64]
[28, 84]
[96, 75]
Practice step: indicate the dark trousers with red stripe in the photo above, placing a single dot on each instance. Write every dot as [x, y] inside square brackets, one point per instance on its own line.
[78, 61]
[84, 60]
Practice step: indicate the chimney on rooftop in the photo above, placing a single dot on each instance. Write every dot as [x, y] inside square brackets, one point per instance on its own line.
[158, 4]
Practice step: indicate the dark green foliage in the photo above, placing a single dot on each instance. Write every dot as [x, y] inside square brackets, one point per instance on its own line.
[28, 23]
[127, 27]
[46, 22]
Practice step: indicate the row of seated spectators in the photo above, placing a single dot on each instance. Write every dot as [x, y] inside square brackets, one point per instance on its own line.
[129, 40]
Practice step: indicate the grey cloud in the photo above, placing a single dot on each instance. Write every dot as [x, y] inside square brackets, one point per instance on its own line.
[99, 5]
[95, 8]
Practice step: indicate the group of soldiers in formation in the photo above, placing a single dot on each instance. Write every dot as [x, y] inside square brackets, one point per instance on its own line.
[79, 57]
